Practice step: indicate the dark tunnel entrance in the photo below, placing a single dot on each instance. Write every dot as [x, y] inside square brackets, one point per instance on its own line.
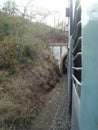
[65, 65]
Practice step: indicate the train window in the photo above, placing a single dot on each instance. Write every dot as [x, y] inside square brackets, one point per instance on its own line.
[76, 49]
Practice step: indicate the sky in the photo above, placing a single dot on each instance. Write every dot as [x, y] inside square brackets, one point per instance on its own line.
[52, 5]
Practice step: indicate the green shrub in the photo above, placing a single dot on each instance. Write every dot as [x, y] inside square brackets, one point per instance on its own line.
[6, 28]
[1, 79]
[10, 70]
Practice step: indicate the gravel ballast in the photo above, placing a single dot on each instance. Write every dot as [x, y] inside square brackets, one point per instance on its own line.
[62, 118]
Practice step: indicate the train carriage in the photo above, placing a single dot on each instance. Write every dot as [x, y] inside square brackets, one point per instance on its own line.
[83, 64]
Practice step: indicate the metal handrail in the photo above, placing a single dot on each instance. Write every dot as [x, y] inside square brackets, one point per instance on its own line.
[76, 18]
[77, 68]
[77, 34]
[76, 80]
[77, 43]
[77, 55]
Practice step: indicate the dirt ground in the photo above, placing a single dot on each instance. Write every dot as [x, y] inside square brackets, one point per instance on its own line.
[55, 115]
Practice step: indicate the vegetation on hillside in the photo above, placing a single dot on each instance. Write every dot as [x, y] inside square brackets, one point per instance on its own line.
[27, 69]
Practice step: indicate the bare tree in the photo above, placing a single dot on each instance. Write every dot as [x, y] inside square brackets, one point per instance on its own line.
[26, 8]
[55, 12]
[10, 7]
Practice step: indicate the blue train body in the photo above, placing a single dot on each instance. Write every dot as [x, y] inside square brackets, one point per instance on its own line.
[83, 64]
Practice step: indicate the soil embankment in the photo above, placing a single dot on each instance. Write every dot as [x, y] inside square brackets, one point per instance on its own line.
[55, 113]
[24, 93]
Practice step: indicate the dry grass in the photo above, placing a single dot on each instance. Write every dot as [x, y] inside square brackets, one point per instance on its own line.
[23, 94]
